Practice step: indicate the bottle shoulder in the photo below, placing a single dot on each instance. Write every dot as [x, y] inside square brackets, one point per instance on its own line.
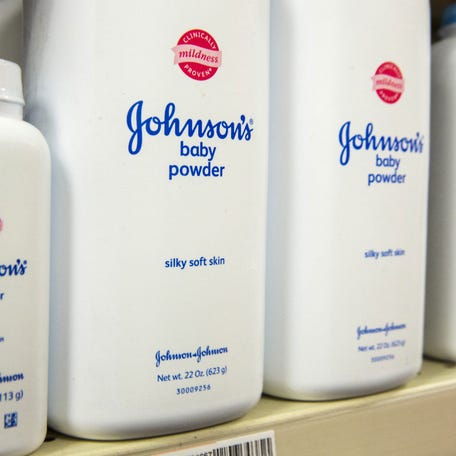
[19, 132]
[21, 141]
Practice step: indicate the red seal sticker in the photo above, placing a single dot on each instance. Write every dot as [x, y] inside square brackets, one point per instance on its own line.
[197, 54]
[388, 82]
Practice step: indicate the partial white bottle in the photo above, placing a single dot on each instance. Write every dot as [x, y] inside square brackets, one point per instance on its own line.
[348, 196]
[440, 327]
[157, 117]
[24, 272]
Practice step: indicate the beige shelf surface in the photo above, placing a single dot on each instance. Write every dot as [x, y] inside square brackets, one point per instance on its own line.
[417, 419]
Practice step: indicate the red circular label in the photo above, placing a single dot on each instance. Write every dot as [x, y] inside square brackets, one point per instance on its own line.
[388, 82]
[198, 55]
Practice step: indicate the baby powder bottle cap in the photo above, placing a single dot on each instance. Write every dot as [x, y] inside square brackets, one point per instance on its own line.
[448, 22]
[11, 96]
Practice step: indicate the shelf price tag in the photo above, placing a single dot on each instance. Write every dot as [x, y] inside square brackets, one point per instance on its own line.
[260, 444]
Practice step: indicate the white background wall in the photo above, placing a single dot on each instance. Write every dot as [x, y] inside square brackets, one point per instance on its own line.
[10, 30]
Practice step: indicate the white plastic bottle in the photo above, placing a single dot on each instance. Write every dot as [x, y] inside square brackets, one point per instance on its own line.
[440, 328]
[348, 190]
[24, 272]
[157, 117]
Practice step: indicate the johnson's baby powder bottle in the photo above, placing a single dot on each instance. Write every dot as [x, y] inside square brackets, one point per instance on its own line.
[24, 272]
[440, 329]
[157, 118]
[348, 196]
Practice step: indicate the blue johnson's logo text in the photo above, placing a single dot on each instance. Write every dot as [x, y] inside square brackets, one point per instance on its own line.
[385, 329]
[390, 166]
[16, 269]
[170, 124]
[198, 354]
[367, 140]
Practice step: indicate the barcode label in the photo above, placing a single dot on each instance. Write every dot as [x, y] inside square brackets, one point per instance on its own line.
[261, 444]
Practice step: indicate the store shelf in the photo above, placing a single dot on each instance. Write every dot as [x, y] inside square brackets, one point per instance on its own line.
[417, 419]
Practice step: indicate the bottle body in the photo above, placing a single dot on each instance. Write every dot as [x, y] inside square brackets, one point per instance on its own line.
[440, 341]
[159, 136]
[348, 182]
[24, 286]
